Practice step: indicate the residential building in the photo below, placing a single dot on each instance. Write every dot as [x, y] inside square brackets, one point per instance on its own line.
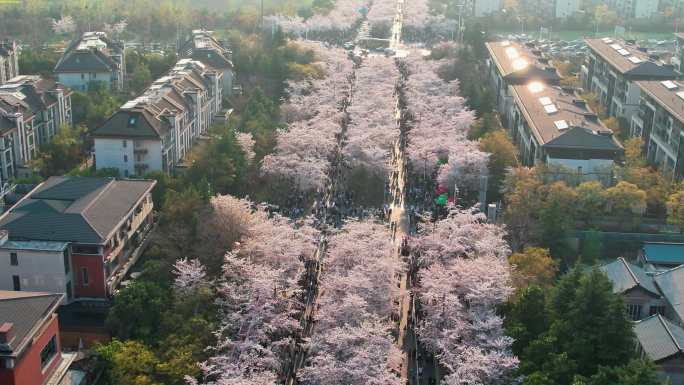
[204, 47]
[634, 9]
[32, 109]
[75, 235]
[30, 348]
[636, 286]
[9, 60]
[661, 341]
[154, 131]
[480, 8]
[660, 122]
[669, 284]
[661, 256]
[511, 63]
[544, 10]
[92, 58]
[678, 55]
[554, 127]
[611, 70]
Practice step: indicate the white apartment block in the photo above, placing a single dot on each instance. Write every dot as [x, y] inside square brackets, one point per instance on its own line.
[32, 110]
[93, 58]
[154, 131]
[9, 60]
[634, 9]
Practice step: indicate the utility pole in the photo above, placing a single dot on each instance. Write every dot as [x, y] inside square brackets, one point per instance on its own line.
[262, 16]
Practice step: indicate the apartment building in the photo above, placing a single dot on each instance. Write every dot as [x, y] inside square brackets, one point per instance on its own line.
[9, 60]
[32, 109]
[92, 58]
[554, 127]
[660, 122]
[634, 9]
[30, 348]
[611, 70]
[204, 47]
[154, 131]
[480, 8]
[550, 9]
[76, 236]
[511, 63]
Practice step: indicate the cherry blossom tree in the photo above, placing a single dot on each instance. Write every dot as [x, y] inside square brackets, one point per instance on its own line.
[351, 343]
[465, 277]
[64, 26]
[465, 165]
[116, 28]
[315, 121]
[190, 276]
[246, 142]
[259, 299]
[340, 19]
[372, 131]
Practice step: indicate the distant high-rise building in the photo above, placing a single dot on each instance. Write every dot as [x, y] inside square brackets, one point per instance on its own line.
[550, 9]
[634, 9]
[479, 8]
[9, 60]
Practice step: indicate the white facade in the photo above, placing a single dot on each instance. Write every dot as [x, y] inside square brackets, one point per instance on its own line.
[634, 9]
[128, 155]
[645, 8]
[485, 7]
[566, 8]
[79, 81]
[36, 270]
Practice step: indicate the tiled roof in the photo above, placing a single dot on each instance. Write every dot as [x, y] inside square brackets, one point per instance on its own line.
[73, 209]
[145, 116]
[25, 311]
[664, 253]
[629, 60]
[35, 93]
[203, 46]
[626, 276]
[559, 119]
[518, 63]
[658, 337]
[668, 98]
[90, 53]
[671, 285]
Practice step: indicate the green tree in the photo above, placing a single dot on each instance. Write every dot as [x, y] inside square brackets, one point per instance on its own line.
[675, 209]
[127, 363]
[522, 194]
[136, 311]
[636, 372]
[503, 157]
[527, 318]
[533, 266]
[64, 152]
[626, 200]
[557, 216]
[141, 78]
[591, 201]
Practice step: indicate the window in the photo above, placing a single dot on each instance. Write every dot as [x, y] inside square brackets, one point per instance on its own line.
[82, 76]
[14, 260]
[16, 283]
[125, 158]
[67, 266]
[633, 312]
[85, 280]
[124, 143]
[656, 310]
[48, 352]
[81, 249]
[68, 291]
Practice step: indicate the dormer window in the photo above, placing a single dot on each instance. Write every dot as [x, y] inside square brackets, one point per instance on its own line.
[132, 121]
